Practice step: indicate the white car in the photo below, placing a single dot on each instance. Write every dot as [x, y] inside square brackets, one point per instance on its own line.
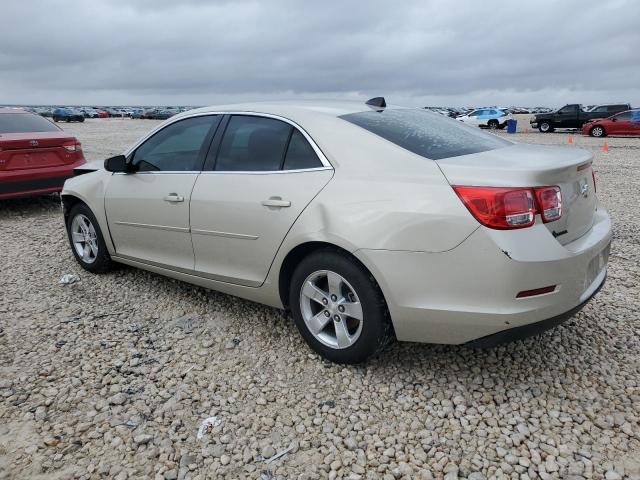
[368, 222]
[492, 118]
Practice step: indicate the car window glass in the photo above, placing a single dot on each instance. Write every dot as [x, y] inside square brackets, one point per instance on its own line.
[424, 133]
[253, 144]
[600, 109]
[567, 109]
[623, 116]
[475, 113]
[614, 108]
[300, 154]
[175, 147]
[25, 122]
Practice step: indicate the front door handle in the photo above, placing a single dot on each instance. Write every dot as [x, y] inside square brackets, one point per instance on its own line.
[276, 202]
[174, 198]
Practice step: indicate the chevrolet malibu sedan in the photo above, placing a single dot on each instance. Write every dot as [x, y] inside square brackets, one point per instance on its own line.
[368, 222]
[36, 156]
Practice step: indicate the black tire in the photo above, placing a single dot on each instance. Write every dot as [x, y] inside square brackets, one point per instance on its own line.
[493, 124]
[377, 331]
[56, 119]
[598, 131]
[545, 127]
[81, 119]
[102, 262]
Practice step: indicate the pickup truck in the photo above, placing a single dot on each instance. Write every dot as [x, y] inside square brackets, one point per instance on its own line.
[573, 116]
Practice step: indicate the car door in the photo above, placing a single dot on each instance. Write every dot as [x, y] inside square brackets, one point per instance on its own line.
[567, 116]
[634, 123]
[473, 118]
[148, 210]
[260, 175]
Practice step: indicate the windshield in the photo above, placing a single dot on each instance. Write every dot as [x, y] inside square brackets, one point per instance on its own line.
[427, 134]
[25, 123]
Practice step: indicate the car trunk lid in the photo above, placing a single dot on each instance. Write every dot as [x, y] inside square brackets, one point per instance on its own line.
[19, 151]
[569, 168]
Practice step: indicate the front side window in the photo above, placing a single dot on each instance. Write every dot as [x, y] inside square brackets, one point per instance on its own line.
[600, 110]
[623, 116]
[175, 148]
[568, 109]
[253, 144]
[426, 134]
[615, 108]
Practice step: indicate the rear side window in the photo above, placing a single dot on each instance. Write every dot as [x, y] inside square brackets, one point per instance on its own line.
[253, 144]
[616, 108]
[427, 134]
[300, 154]
[175, 148]
[25, 123]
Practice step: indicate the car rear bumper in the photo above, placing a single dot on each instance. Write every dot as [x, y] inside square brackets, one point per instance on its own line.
[531, 329]
[23, 183]
[470, 292]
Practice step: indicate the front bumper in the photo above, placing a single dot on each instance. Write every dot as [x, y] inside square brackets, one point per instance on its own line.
[469, 292]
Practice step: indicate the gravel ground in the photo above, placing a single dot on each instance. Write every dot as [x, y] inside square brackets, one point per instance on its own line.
[111, 376]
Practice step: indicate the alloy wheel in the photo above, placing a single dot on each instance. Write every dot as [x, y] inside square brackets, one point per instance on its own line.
[597, 131]
[84, 238]
[331, 309]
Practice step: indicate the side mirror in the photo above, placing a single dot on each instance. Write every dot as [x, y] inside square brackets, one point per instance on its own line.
[614, 119]
[117, 164]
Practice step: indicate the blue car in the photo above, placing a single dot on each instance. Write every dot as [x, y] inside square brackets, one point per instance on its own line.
[67, 115]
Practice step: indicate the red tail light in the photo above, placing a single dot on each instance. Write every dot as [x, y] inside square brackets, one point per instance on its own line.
[505, 208]
[549, 202]
[72, 146]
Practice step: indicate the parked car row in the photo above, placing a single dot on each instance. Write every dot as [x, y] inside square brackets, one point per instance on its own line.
[574, 116]
[64, 113]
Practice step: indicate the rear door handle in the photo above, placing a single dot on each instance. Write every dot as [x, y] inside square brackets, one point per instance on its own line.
[276, 202]
[174, 198]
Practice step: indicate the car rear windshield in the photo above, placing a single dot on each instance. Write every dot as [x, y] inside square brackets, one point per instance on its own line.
[428, 134]
[25, 123]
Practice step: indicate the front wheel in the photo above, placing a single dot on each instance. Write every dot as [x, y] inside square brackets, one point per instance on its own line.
[339, 308]
[597, 131]
[545, 127]
[86, 240]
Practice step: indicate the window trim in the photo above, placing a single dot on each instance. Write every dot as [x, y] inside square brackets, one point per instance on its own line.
[215, 142]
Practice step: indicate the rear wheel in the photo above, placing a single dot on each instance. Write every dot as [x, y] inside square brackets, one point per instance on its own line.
[597, 131]
[339, 308]
[493, 124]
[86, 240]
[545, 127]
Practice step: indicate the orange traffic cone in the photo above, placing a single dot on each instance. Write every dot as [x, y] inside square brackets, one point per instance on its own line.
[570, 139]
[605, 147]
[526, 130]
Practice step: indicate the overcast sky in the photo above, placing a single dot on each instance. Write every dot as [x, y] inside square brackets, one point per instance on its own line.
[199, 52]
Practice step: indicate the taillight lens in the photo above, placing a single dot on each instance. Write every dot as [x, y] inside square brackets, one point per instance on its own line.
[72, 146]
[505, 208]
[498, 207]
[549, 202]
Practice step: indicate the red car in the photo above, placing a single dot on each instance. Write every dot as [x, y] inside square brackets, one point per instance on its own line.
[102, 114]
[623, 123]
[35, 155]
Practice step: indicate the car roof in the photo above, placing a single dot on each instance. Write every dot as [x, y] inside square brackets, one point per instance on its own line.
[294, 110]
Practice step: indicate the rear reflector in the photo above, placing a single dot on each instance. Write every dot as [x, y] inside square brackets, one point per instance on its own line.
[506, 208]
[536, 291]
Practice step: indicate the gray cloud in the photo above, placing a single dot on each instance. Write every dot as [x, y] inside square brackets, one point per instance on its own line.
[413, 52]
